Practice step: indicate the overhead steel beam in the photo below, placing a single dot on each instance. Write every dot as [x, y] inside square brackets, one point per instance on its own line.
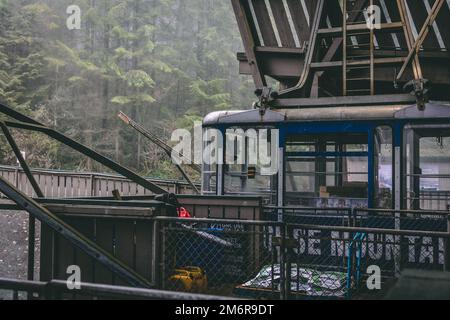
[337, 64]
[417, 69]
[167, 149]
[17, 115]
[21, 160]
[89, 153]
[349, 101]
[311, 49]
[337, 31]
[154, 138]
[353, 15]
[415, 47]
[32, 125]
[249, 43]
[72, 235]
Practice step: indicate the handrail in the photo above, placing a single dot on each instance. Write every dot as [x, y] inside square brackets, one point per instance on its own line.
[55, 288]
[88, 174]
[373, 230]
[418, 212]
[311, 49]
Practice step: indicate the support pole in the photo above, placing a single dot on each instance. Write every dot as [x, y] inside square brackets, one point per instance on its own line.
[372, 58]
[37, 190]
[412, 45]
[167, 149]
[447, 248]
[21, 160]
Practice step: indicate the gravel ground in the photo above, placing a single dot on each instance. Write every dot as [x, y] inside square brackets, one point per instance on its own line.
[14, 246]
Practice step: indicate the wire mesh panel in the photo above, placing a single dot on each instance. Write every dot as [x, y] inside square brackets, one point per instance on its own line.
[402, 219]
[220, 257]
[422, 251]
[336, 262]
[313, 216]
[319, 262]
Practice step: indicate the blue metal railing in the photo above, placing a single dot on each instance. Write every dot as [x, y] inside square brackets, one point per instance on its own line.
[357, 239]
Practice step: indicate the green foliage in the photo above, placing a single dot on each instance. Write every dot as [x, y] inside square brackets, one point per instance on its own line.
[167, 63]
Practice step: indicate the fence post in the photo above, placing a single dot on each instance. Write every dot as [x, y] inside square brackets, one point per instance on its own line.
[352, 217]
[288, 268]
[16, 178]
[92, 182]
[163, 260]
[447, 248]
[283, 262]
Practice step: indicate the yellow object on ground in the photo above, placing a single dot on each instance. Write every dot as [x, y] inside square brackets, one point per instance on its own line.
[189, 279]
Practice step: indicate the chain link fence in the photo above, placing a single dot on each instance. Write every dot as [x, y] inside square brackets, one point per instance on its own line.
[313, 216]
[296, 254]
[221, 257]
[340, 260]
[402, 219]
[279, 260]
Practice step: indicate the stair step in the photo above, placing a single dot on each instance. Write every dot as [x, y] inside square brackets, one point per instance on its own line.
[358, 45]
[358, 56]
[358, 90]
[338, 64]
[385, 27]
[357, 34]
[358, 79]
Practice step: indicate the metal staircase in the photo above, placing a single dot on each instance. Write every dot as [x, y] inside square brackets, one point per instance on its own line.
[358, 51]
[360, 44]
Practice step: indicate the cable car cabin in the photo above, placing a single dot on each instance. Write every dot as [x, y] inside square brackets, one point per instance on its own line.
[379, 156]
[351, 112]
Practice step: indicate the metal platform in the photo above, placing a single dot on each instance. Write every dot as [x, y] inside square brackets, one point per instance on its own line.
[309, 47]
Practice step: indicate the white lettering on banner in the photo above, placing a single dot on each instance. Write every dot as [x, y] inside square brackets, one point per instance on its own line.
[391, 248]
[441, 251]
[299, 236]
[376, 247]
[426, 250]
[412, 248]
[314, 243]
[339, 247]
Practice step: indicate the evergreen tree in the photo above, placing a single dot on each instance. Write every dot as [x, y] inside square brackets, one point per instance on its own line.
[167, 63]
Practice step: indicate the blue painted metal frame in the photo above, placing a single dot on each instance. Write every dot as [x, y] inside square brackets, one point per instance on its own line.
[327, 154]
[338, 127]
[347, 126]
[329, 127]
[357, 239]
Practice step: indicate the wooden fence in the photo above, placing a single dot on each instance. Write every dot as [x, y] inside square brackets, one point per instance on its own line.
[67, 184]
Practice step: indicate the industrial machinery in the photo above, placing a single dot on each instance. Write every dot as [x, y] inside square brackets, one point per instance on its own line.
[360, 111]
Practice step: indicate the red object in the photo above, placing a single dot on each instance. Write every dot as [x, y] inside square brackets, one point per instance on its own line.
[183, 213]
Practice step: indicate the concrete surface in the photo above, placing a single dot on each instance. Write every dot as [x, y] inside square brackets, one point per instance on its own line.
[14, 246]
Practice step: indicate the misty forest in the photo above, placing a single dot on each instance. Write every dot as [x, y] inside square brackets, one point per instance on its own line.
[166, 63]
